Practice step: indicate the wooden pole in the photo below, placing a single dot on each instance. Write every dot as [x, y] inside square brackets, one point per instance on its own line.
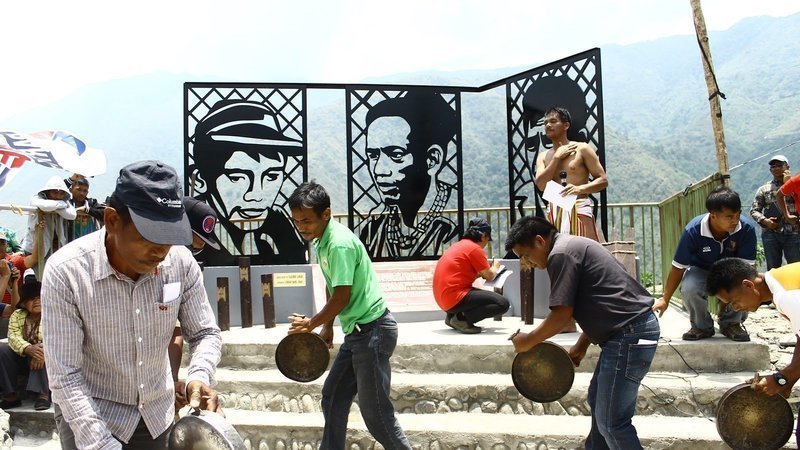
[223, 305]
[245, 294]
[713, 91]
[268, 300]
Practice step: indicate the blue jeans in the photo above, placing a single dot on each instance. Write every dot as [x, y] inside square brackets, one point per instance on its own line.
[695, 300]
[622, 365]
[780, 245]
[362, 367]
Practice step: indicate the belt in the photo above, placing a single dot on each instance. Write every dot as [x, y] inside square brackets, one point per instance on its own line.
[365, 327]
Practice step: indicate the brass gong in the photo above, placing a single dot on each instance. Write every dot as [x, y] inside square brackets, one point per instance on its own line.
[747, 419]
[204, 430]
[302, 357]
[544, 373]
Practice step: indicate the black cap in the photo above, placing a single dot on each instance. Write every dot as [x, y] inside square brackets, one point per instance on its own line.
[480, 224]
[239, 124]
[202, 219]
[153, 194]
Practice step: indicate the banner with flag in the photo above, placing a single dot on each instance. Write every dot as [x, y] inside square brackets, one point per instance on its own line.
[10, 163]
[56, 149]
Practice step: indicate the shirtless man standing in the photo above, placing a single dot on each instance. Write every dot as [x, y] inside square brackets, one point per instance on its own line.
[571, 164]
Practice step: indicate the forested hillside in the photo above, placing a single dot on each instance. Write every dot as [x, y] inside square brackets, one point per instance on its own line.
[658, 130]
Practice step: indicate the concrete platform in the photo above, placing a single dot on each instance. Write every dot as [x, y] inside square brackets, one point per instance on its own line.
[433, 347]
[455, 391]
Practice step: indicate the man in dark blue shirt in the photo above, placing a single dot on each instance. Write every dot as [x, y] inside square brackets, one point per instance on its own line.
[709, 237]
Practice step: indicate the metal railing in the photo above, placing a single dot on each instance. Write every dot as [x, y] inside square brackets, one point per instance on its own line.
[654, 227]
[638, 222]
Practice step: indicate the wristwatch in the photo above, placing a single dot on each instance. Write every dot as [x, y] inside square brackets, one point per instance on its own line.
[780, 379]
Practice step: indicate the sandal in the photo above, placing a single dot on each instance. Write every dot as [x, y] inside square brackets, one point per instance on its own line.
[41, 404]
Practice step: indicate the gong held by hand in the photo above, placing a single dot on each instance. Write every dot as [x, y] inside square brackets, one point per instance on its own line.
[544, 373]
[302, 355]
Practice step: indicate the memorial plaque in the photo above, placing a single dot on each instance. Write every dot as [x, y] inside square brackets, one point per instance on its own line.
[407, 285]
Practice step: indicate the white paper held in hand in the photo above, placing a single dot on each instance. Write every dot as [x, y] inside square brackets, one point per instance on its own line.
[552, 193]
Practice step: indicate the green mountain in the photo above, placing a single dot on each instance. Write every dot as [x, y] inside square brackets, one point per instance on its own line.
[657, 120]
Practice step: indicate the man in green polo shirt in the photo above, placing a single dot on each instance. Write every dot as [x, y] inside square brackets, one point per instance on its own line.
[355, 296]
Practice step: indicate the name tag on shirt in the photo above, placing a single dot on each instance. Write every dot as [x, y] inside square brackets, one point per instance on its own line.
[171, 292]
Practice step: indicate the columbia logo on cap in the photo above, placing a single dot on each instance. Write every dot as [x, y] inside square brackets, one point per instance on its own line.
[170, 202]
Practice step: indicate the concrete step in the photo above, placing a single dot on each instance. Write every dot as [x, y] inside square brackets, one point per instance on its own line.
[465, 430]
[443, 431]
[30, 425]
[262, 429]
[662, 393]
[432, 347]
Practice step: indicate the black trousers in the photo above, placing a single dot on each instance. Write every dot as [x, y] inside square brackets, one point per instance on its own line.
[479, 304]
[141, 439]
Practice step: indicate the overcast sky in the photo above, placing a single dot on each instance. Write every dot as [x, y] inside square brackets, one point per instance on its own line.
[51, 48]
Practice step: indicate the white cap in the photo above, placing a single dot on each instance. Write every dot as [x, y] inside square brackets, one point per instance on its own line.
[780, 158]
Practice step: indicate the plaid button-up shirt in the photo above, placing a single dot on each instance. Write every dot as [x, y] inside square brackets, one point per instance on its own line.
[106, 339]
[764, 206]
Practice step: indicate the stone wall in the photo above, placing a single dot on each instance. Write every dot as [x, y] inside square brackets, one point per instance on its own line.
[475, 399]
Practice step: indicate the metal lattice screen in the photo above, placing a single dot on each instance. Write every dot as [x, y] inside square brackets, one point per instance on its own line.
[289, 104]
[574, 83]
[365, 201]
[263, 129]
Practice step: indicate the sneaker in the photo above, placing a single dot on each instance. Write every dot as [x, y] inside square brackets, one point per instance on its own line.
[463, 326]
[735, 332]
[695, 334]
[447, 320]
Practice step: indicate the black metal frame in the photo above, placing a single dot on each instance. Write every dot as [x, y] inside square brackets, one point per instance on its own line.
[584, 68]
[362, 196]
[283, 98]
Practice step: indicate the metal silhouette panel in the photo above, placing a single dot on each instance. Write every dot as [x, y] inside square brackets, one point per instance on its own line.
[404, 158]
[246, 152]
[573, 83]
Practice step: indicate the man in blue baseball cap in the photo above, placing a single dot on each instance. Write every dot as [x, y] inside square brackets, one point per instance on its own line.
[110, 301]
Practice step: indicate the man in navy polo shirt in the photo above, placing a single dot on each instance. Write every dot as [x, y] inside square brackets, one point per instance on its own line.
[709, 237]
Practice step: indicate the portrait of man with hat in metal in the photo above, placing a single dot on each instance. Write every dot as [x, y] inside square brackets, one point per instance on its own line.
[239, 168]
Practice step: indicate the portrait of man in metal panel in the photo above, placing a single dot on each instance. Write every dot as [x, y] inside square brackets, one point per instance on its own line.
[239, 168]
[556, 105]
[406, 147]
[543, 94]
